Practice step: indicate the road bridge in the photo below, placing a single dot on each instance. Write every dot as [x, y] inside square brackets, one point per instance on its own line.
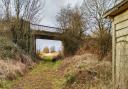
[43, 32]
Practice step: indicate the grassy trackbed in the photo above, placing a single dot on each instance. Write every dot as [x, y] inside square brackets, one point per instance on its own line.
[78, 72]
[44, 76]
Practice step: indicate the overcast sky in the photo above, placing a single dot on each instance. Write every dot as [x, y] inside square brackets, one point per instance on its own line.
[41, 44]
[51, 9]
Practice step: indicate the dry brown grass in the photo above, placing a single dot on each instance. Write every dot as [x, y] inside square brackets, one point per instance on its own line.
[13, 61]
[90, 45]
[78, 72]
[10, 69]
[86, 72]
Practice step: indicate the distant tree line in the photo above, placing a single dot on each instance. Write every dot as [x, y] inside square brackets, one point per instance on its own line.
[49, 50]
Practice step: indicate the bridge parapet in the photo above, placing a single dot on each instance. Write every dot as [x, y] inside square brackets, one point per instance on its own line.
[44, 28]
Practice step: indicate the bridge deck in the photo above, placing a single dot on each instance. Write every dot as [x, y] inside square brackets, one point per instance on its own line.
[41, 33]
[46, 35]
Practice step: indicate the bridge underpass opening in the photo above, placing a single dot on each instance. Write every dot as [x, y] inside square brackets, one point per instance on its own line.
[48, 49]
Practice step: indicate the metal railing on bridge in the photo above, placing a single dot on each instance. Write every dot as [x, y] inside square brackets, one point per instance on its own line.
[43, 27]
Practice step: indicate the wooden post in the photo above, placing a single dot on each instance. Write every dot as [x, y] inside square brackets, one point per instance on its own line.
[114, 57]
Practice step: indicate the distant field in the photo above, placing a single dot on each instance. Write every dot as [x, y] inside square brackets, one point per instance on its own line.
[49, 56]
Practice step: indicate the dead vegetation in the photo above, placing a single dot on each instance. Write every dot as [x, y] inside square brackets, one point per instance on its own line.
[86, 72]
[73, 27]
[78, 72]
[83, 71]
[92, 45]
[13, 61]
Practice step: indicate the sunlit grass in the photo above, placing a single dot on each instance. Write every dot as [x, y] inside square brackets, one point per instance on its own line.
[47, 58]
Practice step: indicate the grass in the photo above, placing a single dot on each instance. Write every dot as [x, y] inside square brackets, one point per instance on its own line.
[43, 76]
[13, 62]
[6, 84]
[72, 73]
[47, 58]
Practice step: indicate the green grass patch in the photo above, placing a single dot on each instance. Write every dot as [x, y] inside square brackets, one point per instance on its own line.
[5, 84]
[48, 58]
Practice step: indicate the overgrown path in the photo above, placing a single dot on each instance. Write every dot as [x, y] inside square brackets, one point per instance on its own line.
[77, 72]
[44, 76]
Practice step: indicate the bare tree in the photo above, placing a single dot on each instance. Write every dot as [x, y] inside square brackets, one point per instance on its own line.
[72, 21]
[73, 27]
[26, 9]
[29, 10]
[19, 7]
[26, 12]
[6, 8]
[33, 10]
[94, 12]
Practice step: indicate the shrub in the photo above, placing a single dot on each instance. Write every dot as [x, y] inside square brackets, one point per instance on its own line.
[21, 34]
[70, 78]
[52, 49]
[7, 48]
[103, 43]
[73, 28]
[46, 50]
[71, 45]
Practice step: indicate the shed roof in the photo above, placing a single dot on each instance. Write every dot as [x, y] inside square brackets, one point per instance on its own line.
[121, 7]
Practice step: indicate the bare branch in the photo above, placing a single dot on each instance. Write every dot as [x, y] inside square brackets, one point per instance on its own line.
[6, 8]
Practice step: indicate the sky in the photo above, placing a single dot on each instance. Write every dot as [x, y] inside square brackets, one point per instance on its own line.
[41, 44]
[51, 9]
